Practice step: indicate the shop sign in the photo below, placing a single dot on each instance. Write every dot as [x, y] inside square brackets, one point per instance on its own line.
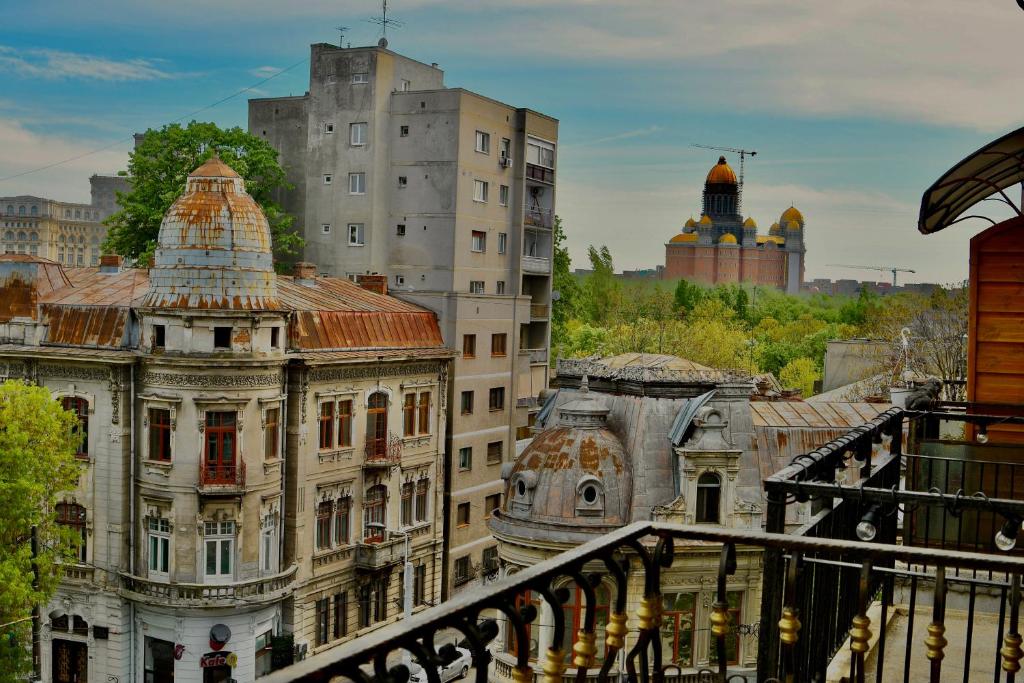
[212, 659]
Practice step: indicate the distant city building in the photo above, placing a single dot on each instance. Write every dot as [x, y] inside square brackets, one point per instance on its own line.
[69, 233]
[261, 453]
[722, 247]
[855, 287]
[450, 195]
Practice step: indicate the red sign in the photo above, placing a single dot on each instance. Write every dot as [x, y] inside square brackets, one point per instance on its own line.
[179, 650]
[212, 659]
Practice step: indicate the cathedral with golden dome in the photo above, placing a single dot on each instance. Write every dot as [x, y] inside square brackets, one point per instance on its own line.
[722, 247]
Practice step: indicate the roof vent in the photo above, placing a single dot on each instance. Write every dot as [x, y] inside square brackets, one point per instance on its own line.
[373, 282]
[305, 273]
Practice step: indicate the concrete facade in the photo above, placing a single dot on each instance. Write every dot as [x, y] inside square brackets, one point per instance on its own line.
[67, 232]
[451, 196]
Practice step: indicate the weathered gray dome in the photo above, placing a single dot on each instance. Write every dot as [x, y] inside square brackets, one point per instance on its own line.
[214, 248]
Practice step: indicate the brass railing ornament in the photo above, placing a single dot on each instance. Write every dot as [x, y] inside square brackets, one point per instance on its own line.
[521, 674]
[554, 666]
[789, 626]
[860, 634]
[615, 630]
[935, 642]
[649, 613]
[584, 649]
[719, 619]
[1011, 652]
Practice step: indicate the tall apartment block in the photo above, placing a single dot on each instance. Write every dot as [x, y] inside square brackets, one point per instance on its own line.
[451, 195]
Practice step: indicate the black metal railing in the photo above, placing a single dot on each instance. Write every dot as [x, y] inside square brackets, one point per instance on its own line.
[635, 628]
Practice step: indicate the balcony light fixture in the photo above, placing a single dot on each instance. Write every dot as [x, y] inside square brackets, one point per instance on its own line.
[1006, 538]
[867, 528]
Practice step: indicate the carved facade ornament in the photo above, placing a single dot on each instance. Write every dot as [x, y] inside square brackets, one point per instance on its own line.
[442, 386]
[708, 435]
[168, 379]
[73, 372]
[371, 372]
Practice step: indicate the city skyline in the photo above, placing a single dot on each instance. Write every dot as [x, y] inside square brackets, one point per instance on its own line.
[830, 97]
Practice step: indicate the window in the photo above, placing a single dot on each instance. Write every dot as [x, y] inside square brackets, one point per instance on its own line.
[343, 521]
[222, 337]
[732, 641]
[467, 402]
[469, 345]
[361, 77]
[325, 228]
[264, 654]
[323, 618]
[275, 337]
[424, 413]
[160, 434]
[502, 242]
[326, 425]
[479, 191]
[341, 614]
[506, 148]
[503, 195]
[357, 134]
[80, 407]
[328, 178]
[72, 516]
[483, 142]
[496, 399]
[158, 660]
[494, 452]
[479, 242]
[219, 549]
[409, 415]
[400, 229]
[271, 434]
[329, 128]
[344, 423]
[374, 513]
[465, 457]
[324, 512]
[403, 182]
[377, 426]
[709, 491]
[403, 131]
[490, 559]
[498, 344]
[462, 572]
[357, 183]
[399, 280]
[491, 503]
[220, 448]
[462, 514]
[159, 336]
[407, 496]
[476, 286]
[540, 154]
[422, 489]
[499, 287]
[355, 234]
[419, 585]
[677, 631]
[268, 544]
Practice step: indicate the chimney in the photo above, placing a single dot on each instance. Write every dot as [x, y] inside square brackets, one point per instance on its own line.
[374, 283]
[791, 395]
[110, 263]
[305, 272]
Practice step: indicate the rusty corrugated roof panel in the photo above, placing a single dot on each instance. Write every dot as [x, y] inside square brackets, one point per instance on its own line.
[336, 294]
[24, 279]
[331, 330]
[102, 326]
[105, 355]
[90, 287]
[814, 415]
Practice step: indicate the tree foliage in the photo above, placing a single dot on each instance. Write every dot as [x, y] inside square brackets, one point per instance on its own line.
[566, 307]
[159, 166]
[38, 441]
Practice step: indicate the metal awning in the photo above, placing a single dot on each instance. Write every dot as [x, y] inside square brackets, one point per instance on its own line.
[988, 171]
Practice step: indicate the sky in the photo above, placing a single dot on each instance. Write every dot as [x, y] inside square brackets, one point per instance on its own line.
[854, 107]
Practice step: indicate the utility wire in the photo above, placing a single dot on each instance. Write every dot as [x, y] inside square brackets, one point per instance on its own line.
[121, 141]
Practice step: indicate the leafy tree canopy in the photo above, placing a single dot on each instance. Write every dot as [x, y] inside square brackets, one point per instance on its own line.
[158, 167]
[38, 442]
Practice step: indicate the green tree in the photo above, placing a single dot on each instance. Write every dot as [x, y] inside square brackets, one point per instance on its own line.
[158, 167]
[38, 440]
[563, 282]
[603, 290]
[688, 295]
[800, 373]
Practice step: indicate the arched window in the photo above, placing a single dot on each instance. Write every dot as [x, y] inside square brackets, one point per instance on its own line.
[375, 513]
[72, 516]
[377, 425]
[80, 407]
[35, 210]
[33, 236]
[709, 495]
[22, 236]
[10, 209]
[9, 236]
[21, 210]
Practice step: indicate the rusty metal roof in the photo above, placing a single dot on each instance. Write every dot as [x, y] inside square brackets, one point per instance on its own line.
[95, 326]
[213, 168]
[364, 329]
[336, 294]
[105, 355]
[818, 415]
[24, 279]
[90, 287]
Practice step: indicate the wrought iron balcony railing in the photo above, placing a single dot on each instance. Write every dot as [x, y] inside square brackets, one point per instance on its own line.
[172, 594]
[221, 478]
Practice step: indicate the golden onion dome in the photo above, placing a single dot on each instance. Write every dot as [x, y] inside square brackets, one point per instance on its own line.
[727, 238]
[791, 214]
[690, 223]
[776, 229]
[721, 173]
[750, 223]
[792, 226]
[705, 220]
[684, 237]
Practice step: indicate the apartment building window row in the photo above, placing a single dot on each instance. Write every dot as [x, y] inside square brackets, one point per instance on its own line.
[480, 190]
[416, 415]
[159, 547]
[414, 502]
[499, 344]
[478, 242]
[483, 142]
[495, 450]
[331, 615]
[357, 134]
[503, 195]
[496, 399]
[73, 516]
[357, 183]
[334, 523]
[335, 424]
[219, 550]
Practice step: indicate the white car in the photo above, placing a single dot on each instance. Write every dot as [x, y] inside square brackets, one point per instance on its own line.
[457, 669]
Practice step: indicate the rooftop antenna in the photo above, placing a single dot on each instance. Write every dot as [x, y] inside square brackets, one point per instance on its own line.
[341, 35]
[383, 21]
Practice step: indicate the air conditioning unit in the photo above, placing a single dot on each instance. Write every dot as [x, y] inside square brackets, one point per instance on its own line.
[505, 162]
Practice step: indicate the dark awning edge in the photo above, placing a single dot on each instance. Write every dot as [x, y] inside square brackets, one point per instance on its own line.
[987, 171]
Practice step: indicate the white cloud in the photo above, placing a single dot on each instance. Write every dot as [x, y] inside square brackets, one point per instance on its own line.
[265, 71]
[55, 64]
[23, 150]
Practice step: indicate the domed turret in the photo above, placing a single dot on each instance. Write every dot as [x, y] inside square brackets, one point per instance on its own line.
[750, 223]
[722, 173]
[776, 229]
[727, 238]
[684, 237]
[791, 214]
[706, 220]
[792, 226]
[214, 247]
[690, 223]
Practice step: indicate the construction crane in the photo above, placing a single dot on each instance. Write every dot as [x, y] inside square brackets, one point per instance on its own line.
[744, 153]
[882, 269]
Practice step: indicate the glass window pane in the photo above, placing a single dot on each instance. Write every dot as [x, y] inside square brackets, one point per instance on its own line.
[211, 557]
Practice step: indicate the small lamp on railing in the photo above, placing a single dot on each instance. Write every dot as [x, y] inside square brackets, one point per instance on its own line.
[867, 528]
[983, 434]
[1006, 538]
